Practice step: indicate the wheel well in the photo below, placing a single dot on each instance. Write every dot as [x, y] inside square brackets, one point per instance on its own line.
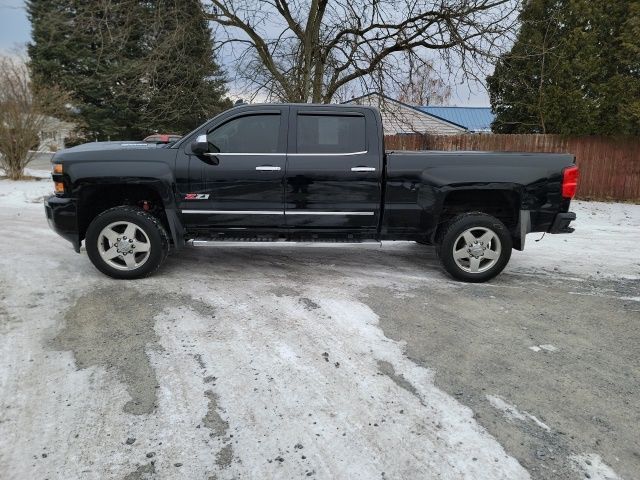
[502, 204]
[96, 199]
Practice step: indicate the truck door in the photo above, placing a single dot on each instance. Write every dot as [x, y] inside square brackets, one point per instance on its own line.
[333, 176]
[240, 183]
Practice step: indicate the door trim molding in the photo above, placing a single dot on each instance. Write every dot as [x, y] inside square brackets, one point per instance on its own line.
[318, 212]
[236, 212]
[265, 154]
[257, 154]
[273, 212]
[346, 154]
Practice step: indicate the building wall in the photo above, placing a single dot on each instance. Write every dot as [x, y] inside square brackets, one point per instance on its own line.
[53, 134]
[399, 119]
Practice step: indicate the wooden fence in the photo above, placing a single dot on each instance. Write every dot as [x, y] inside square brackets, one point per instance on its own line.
[609, 167]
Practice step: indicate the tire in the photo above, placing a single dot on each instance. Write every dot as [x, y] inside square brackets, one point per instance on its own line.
[482, 244]
[114, 235]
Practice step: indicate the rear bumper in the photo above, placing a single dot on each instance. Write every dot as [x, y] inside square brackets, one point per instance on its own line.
[63, 218]
[561, 223]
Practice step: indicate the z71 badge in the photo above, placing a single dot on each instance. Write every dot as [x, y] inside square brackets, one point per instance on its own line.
[196, 196]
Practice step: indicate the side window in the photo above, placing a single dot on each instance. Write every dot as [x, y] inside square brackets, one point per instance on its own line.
[331, 134]
[248, 134]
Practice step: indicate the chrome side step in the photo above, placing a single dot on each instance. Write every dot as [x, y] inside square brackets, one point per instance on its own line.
[282, 243]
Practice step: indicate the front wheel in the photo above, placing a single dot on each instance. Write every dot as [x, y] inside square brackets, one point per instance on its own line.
[474, 247]
[126, 242]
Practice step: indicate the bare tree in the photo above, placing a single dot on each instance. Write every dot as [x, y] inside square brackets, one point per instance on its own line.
[312, 50]
[422, 86]
[23, 113]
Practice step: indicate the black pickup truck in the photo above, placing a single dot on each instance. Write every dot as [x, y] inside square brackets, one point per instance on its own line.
[303, 172]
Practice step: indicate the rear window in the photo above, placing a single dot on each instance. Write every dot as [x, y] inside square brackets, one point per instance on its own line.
[331, 134]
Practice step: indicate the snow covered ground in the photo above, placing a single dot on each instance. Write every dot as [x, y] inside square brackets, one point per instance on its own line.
[606, 234]
[247, 363]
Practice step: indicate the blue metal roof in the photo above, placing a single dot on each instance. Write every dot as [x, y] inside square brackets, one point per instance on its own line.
[474, 119]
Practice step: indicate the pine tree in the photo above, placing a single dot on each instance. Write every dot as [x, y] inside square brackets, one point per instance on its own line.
[185, 84]
[574, 69]
[133, 67]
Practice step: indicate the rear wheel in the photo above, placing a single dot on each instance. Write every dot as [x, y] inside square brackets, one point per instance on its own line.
[474, 247]
[126, 242]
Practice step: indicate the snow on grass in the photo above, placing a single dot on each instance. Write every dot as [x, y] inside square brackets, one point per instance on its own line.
[23, 193]
[605, 234]
[37, 173]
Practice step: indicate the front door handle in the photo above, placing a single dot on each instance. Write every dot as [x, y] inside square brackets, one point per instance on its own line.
[363, 169]
[268, 168]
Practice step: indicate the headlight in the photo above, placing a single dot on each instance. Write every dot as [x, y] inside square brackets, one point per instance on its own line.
[57, 178]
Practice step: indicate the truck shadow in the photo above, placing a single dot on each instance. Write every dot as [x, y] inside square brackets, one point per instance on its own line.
[365, 259]
[360, 261]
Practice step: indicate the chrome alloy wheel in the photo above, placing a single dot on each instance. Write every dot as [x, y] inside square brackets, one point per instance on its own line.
[124, 245]
[476, 250]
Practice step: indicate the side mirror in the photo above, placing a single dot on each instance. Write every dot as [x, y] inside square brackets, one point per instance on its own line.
[200, 146]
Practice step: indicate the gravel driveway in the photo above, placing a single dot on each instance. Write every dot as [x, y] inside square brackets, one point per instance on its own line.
[323, 362]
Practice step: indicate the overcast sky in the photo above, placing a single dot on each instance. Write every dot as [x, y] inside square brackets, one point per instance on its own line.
[15, 31]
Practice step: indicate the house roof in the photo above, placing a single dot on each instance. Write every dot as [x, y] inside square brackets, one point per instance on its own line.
[474, 119]
[406, 105]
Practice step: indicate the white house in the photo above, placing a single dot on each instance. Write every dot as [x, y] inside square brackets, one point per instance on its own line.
[52, 134]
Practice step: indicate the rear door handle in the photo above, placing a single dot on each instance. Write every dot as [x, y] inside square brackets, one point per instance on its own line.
[268, 168]
[363, 169]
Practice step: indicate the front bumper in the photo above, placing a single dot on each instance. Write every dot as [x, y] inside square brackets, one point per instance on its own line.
[561, 223]
[62, 217]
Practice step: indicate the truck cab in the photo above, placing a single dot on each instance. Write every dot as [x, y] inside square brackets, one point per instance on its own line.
[288, 169]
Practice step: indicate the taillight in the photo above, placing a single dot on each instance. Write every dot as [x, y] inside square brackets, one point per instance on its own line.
[570, 177]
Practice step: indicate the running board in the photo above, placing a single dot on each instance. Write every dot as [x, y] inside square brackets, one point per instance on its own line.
[253, 242]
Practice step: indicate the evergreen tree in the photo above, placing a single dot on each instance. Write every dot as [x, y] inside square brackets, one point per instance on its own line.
[133, 67]
[574, 69]
[186, 85]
